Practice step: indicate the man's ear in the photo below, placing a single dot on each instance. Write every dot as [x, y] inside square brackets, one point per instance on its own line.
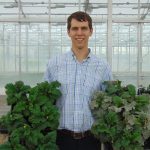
[68, 33]
[91, 30]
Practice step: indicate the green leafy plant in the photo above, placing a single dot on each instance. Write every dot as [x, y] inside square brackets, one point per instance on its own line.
[145, 90]
[121, 117]
[33, 119]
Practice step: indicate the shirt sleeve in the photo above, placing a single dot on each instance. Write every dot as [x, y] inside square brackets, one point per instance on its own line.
[107, 76]
[47, 74]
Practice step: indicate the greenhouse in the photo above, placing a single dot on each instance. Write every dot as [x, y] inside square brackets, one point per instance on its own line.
[34, 31]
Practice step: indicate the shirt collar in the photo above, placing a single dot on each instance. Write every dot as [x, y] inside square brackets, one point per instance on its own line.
[86, 59]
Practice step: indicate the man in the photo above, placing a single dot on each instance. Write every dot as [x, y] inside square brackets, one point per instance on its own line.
[80, 73]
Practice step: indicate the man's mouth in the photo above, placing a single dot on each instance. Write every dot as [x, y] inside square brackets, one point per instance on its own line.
[79, 39]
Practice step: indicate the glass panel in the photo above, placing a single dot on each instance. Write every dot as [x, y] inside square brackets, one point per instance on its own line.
[124, 56]
[99, 39]
[144, 9]
[145, 78]
[125, 9]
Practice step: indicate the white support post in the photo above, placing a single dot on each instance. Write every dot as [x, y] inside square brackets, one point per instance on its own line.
[139, 48]
[102, 146]
[109, 33]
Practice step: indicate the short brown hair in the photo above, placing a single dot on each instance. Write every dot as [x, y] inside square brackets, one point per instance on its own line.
[80, 16]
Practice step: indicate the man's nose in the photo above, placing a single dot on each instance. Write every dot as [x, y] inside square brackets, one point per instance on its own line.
[79, 31]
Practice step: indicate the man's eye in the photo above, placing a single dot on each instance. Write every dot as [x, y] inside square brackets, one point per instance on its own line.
[74, 29]
[84, 28]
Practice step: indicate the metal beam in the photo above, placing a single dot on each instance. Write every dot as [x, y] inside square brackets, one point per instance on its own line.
[62, 19]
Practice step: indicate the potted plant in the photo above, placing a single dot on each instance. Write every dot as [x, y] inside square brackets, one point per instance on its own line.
[121, 117]
[33, 119]
[145, 90]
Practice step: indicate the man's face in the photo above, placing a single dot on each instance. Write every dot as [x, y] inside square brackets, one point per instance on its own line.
[79, 33]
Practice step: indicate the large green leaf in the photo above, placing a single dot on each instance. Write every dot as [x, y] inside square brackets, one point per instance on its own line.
[131, 89]
[117, 101]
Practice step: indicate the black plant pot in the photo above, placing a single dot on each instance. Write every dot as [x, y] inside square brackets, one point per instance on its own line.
[3, 131]
[147, 144]
[108, 146]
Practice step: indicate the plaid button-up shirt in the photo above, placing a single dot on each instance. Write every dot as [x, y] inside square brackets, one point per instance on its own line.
[79, 80]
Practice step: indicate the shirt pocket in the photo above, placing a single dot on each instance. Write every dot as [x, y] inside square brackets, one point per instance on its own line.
[61, 75]
[91, 83]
